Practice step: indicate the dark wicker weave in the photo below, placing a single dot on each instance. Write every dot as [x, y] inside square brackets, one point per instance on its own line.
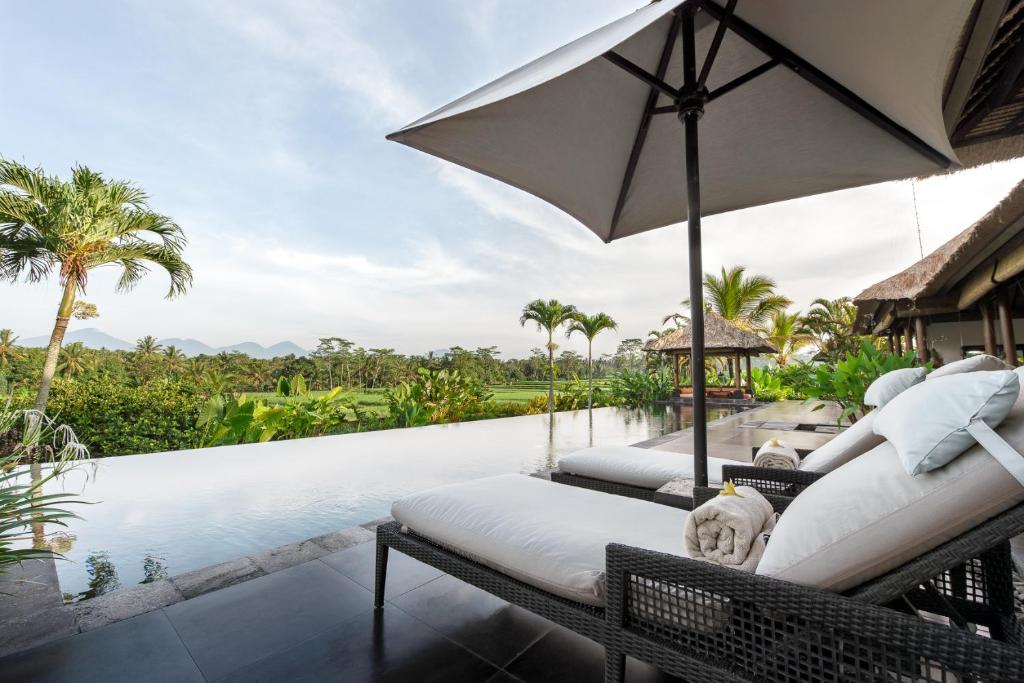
[709, 623]
[603, 486]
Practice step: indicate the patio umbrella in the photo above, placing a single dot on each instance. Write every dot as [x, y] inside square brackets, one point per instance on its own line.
[793, 98]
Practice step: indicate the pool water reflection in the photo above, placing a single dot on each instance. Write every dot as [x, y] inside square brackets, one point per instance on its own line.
[166, 513]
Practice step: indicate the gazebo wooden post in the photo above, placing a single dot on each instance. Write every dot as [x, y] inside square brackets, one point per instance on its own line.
[899, 340]
[1006, 327]
[739, 384]
[892, 345]
[988, 328]
[675, 370]
[922, 339]
[750, 376]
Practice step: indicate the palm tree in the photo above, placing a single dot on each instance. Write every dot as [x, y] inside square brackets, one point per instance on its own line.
[590, 326]
[173, 358]
[830, 323]
[148, 345]
[71, 227]
[7, 348]
[549, 316]
[787, 334]
[74, 360]
[747, 301]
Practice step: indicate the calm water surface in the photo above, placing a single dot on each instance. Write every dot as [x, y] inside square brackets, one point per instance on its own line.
[162, 514]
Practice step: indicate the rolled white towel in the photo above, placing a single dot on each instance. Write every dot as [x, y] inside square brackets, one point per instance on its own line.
[729, 529]
[777, 455]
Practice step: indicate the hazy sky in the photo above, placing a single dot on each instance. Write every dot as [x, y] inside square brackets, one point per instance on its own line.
[259, 127]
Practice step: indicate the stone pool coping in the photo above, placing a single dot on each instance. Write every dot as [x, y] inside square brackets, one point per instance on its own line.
[41, 619]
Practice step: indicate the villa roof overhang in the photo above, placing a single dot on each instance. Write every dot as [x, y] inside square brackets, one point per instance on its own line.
[955, 276]
[721, 337]
[984, 103]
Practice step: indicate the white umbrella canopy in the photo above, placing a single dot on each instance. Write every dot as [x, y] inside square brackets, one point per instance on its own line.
[563, 126]
[793, 98]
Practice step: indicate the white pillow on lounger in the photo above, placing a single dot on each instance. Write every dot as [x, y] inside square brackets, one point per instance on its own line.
[928, 425]
[980, 363]
[870, 516]
[892, 384]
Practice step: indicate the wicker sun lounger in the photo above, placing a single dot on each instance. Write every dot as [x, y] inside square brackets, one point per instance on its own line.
[766, 480]
[770, 630]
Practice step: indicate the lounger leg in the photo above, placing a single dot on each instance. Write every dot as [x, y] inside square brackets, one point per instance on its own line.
[380, 575]
[614, 666]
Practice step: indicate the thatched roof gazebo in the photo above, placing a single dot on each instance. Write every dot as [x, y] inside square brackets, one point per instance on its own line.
[957, 283]
[721, 338]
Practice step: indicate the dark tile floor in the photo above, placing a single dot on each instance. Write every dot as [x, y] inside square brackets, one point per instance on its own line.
[315, 622]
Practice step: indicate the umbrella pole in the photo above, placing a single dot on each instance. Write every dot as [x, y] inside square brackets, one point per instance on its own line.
[691, 106]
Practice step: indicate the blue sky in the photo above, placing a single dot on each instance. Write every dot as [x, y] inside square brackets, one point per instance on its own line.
[259, 126]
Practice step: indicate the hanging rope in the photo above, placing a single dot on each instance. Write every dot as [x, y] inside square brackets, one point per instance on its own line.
[917, 217]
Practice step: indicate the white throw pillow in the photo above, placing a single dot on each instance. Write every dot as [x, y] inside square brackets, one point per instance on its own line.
[857, 439]
[927, 424]
[980, 363]
[892, 384]
[870, 516]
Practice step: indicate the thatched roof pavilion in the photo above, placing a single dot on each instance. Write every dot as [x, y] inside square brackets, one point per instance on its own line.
[958, 282]
[721, 338]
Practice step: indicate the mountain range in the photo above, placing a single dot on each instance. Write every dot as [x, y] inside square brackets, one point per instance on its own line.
[94, 338]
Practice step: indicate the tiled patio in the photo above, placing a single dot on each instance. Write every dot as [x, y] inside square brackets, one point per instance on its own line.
[315, 622]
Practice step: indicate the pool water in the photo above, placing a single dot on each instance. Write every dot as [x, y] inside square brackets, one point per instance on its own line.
[162, 514]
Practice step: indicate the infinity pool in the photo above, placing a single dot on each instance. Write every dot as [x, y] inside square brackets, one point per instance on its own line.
[163, 514]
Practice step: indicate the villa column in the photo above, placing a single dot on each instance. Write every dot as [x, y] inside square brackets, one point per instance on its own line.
[1006, 327]
[988, 329]
[922, 339]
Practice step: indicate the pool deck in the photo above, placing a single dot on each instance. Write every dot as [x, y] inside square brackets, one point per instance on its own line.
[303, 611]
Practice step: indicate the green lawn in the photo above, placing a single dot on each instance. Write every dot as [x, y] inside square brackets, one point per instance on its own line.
[373, 399]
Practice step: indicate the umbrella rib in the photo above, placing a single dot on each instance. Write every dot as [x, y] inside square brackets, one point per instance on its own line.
[716, 43]
[650, 79]
[740, 80]
[645, 122]
[818, 78]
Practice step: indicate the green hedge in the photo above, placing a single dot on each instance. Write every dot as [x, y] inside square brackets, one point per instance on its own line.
[116, 419]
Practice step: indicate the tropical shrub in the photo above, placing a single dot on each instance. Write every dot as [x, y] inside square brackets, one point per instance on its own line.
[846, 381]
[25, 509]
[116, 419]
[640, 388]
[768, 385]
[572, 395]
[233, 420]
[797, 378]
[435, 396]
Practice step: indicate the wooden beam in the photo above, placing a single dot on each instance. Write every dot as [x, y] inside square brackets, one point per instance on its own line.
[988, 328]
[922, 339]
[1006, 326]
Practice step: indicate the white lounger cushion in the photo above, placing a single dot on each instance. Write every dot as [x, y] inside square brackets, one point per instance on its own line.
[980, 363]
[855, 440]
[642, 467]
[545, 534]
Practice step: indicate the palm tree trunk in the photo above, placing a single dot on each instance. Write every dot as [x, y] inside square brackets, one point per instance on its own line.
[67, 305]
[551, 372]
[590, 374]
